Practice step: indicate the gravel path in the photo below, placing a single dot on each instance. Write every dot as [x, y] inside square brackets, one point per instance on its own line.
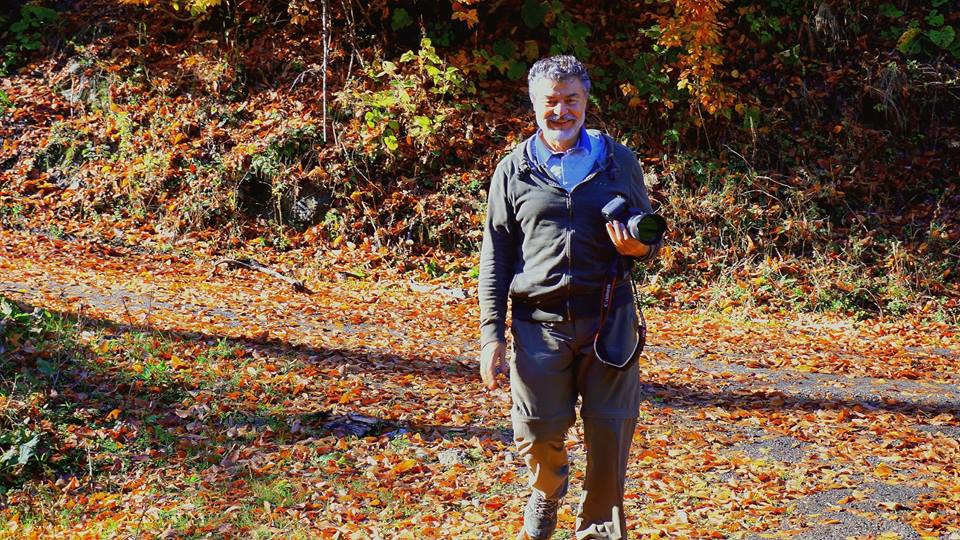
[869, 510]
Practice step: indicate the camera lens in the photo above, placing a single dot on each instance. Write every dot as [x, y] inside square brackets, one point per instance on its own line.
[647, 228]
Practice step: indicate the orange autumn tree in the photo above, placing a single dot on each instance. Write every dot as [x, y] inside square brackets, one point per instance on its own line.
[694, 28]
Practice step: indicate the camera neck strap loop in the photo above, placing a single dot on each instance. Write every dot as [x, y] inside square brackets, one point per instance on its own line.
[616, 268]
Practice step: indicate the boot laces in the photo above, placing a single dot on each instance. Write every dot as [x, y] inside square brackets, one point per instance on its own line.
[546, 507]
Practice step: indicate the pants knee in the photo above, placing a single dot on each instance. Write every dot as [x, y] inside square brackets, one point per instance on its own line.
[528, 433]
[543, 449]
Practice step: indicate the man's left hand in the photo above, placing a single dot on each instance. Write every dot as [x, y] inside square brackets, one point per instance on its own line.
[625, 244]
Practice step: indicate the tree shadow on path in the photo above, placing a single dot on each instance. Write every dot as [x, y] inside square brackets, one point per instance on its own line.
[688, 396]
[161, 417]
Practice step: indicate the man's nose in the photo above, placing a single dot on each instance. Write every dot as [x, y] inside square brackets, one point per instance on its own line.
[559, 108]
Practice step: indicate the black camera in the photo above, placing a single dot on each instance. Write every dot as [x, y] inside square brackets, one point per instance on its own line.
[647, 228]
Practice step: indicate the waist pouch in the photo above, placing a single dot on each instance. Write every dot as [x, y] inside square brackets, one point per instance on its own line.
[578, 306]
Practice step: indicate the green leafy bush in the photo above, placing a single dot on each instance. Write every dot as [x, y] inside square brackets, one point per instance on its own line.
[22, 444]
[405, 104]
[25, 35]
[926, 33]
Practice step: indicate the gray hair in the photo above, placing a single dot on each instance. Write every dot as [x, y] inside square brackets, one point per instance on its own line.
[558, 68]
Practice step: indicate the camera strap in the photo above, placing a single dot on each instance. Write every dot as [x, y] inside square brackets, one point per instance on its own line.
[609, 284]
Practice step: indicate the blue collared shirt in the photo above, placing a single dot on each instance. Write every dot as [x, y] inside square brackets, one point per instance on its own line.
[569, 168]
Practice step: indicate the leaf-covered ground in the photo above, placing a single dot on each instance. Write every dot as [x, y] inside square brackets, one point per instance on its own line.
[189, 399]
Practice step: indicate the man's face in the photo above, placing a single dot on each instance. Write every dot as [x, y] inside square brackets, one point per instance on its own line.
[560, 107]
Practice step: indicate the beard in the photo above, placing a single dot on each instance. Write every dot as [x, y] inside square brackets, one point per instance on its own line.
[560, 129]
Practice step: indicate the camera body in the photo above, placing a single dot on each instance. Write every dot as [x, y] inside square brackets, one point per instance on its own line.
[646, 227]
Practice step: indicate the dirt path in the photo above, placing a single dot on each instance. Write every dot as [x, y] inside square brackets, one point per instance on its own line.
[790, 426]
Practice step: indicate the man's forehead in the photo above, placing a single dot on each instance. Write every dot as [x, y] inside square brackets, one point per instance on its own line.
[562, 88]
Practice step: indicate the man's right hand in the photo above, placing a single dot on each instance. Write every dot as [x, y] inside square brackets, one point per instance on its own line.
[493, 360]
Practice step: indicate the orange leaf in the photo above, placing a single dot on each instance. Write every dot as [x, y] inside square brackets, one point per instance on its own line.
[403, 466]
[468, 16]
[882, 470]
[177, 363]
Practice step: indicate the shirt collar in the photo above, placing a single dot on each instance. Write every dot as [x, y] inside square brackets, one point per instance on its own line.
[543, 153]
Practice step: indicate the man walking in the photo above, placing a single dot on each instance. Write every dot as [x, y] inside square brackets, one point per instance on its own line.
[548, 247]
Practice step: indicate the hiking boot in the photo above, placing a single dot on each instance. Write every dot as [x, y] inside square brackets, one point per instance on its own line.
[539, 517]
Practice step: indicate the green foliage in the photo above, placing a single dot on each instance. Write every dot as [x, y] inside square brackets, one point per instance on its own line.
[25, 35]
[5, 103]
[409, 101]
[24, 446]
[942, 37]
[751, 118]
[505, 59]
[155, 372]
[221, 350]
[277, 492]
[400, 19]
[138, 346]
[446, 80]
[765, 26]
[196, 8]
[146, 176]
[19, 451]
[512, 58]
[12, 214]
[568, 36]
[646, 73]
[41, 328]
[11, 319]
[282, 151]
[891, 11]
[533, 13]
[270, 181]
[924, 34]
[66, 147]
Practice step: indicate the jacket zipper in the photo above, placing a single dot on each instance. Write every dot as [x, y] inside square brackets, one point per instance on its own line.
[569, 195]
[570, 252]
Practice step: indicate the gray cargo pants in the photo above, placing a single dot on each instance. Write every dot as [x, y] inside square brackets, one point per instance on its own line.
[553, 363]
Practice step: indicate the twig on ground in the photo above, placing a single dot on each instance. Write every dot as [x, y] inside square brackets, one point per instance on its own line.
[254, 265]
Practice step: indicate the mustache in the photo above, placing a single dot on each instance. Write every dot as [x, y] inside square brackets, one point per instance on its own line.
[564, 118]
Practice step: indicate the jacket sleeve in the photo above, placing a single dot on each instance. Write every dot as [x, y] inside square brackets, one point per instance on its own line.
[497, 256]
[640, 200]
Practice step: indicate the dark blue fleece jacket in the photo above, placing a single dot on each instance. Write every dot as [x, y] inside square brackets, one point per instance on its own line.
[545, 246]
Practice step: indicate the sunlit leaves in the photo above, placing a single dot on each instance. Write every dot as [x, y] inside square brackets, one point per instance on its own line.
[694, 27]
[193, 7]
[357, 410]
[468, 16]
